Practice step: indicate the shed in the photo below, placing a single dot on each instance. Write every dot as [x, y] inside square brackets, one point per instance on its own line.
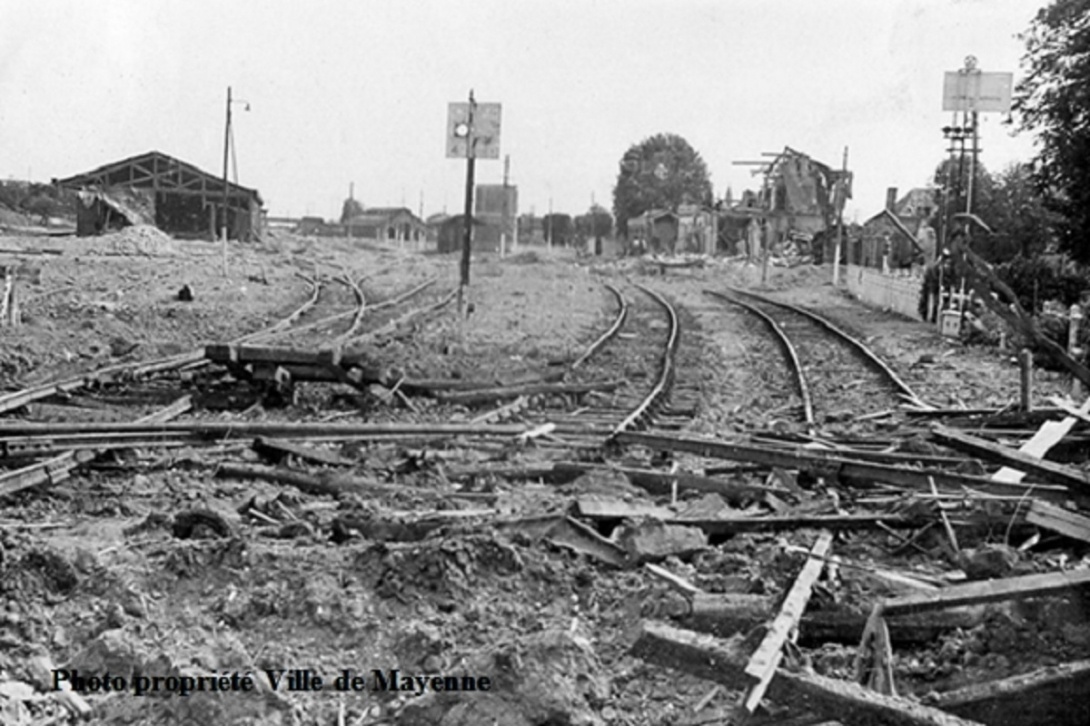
[451, 233]
[885, 232]
[182, 199]
[388, 224]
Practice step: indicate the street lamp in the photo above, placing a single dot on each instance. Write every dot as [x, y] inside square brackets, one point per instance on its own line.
[226, 155]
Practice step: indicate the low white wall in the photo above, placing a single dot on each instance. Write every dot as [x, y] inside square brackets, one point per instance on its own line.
[899, 292]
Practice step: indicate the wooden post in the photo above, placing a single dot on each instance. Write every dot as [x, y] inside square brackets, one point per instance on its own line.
[1025, 360]
[840, 221]
[467, 230]
[226, 147]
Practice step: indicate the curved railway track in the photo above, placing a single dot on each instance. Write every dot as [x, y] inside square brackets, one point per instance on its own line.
[820, 355]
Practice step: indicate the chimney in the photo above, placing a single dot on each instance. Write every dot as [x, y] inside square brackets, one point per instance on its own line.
[891, 199]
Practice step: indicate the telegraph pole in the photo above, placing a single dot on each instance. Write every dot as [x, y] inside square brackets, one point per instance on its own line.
[840, 219]
[503, 229]
[226, 145]
[467, 232]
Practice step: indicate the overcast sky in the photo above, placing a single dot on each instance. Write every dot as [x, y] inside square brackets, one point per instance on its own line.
[347, 91]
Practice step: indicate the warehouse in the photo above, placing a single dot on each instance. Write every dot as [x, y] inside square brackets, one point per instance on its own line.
[155, 188]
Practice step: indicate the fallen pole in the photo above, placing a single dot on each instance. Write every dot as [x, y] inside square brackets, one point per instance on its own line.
[724, 660]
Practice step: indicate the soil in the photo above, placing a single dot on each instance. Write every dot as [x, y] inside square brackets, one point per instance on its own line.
[149, 564]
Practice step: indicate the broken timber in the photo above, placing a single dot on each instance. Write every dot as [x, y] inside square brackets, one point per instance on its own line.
[1059, 520]
[59, 468]
[766, 659]
[830, 464]
[987, 592]
[1007, 456]
[724, 660]
[1052, 695]
[616, 509]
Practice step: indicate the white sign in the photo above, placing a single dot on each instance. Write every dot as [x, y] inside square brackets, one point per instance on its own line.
[977, 91]
[482, 131]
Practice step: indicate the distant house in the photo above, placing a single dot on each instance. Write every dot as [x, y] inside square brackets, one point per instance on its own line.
[452, 233]
[175, 196]
[435, 223]
[883, 234]
[496, 206]
[658, 229]
[388, 224]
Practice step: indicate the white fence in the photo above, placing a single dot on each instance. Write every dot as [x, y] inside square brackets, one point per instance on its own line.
[896, 291]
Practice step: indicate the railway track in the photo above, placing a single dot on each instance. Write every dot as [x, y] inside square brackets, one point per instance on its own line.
[640, 345]
[832, 371]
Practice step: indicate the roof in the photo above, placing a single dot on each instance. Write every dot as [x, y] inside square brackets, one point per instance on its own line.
[155, 169]
[389, 212]
[897, 224]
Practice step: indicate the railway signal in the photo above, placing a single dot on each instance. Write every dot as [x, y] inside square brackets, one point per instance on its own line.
[473, 131]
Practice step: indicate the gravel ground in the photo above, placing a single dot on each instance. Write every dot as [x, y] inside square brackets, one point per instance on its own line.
[98, 576]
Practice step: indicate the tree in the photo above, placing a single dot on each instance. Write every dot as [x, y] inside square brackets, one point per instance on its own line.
[1022, 222]
[1053, 101]
[597, 222]
[558, 228]
[661, 172]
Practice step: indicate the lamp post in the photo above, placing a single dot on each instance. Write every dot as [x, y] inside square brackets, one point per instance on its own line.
[226, 156]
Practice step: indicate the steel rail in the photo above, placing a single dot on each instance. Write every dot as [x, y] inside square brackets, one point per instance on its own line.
[116, 372]
[788, 347]
[618, 322]
[855, 343]
[639, 415]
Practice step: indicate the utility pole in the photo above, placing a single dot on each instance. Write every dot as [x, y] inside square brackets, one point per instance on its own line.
[503, 229]
[349, 209]
[549, 237]
[841, 198]
[226, 145]
[467, 232]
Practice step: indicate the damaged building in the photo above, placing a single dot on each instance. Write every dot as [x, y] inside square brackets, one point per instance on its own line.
[173, 195]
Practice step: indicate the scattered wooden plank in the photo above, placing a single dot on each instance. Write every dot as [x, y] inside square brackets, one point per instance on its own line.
[831, 464]
[1050, 471]
[59, 468]
[723, 661]
[1051, 695]
[675, 582]
[987, 592]
[608, 509]
[846, 627]
[1048, 436]
[766, 659]
[306, 482]
[1058, 519]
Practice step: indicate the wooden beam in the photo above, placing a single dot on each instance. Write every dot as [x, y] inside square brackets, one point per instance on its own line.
[1042, 584]
[1050, 471]
[1050, 695]
[616, 509]
[723, 661]
[826, 463]
[766, 659]
[1059, 520]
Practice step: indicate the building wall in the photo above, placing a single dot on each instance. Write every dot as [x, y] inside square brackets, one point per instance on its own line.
[898, 292]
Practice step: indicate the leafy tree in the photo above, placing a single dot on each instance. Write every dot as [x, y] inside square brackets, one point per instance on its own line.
[661, 172]
[1053, 100]
[1022, 222]
[558, 228]
[597, 222]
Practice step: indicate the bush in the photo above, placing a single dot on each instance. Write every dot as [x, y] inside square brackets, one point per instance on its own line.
[1036, 280]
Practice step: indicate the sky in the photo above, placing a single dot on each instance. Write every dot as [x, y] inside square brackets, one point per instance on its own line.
[356, 92]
